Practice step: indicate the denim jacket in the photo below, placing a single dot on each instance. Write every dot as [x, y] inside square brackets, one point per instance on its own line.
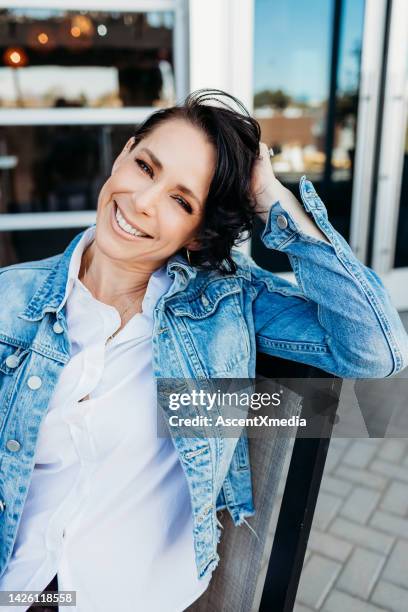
[338, 317]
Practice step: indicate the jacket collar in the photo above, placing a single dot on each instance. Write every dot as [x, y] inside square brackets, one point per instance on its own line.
[51, 292]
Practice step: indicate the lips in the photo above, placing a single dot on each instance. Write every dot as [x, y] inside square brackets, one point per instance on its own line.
[139, 229]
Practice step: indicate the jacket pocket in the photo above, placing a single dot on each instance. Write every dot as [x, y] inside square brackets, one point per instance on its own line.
[213, 326]
[11, 357]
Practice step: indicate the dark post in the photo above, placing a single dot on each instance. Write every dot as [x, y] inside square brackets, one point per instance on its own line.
[331, 105]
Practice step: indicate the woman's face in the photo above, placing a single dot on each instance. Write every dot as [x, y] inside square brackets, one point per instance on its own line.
[159, 188]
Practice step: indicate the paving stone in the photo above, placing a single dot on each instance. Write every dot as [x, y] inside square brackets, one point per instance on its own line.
[360, 573]
[360, 453]
[340, 443]
[360, 505]
[396, 568]
[361, 477]
[329, 546]
[361, 535]
[396, 499]
[332, 460]
[301, 608]
[390, 596]
[393, 450]
[327, 507]
[390, 523]
[316, 580]
[337, 486]
[396, 472]
[341, 602]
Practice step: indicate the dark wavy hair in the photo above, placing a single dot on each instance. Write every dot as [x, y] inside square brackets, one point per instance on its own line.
[229, 207]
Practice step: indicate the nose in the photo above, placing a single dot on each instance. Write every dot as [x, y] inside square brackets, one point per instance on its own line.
[145, 201]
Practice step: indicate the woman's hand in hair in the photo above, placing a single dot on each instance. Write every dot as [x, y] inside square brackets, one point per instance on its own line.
[265, 187]
[267, 190]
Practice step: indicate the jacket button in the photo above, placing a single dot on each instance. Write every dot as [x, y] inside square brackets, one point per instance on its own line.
[204, 300]
[34, 382]
[282, 222]
[57, 327]
[2, 505]
[12, 361]
[13, 445]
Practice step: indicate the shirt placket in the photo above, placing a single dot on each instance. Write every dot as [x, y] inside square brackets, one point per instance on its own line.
[76, 419]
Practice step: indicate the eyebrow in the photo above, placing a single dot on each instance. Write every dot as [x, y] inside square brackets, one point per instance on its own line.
[159, 165]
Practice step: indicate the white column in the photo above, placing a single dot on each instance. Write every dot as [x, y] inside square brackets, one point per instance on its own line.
[221, 49]
[221, 46]
[368, 109]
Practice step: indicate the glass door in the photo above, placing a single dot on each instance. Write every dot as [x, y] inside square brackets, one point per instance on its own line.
[390, 238]
[309, 60]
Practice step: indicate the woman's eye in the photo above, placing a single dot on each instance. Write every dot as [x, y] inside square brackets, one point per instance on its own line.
[144, 167]
[147, 170]
[184, 204]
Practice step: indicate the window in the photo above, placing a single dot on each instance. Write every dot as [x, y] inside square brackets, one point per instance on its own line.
[292, 75]
[61, 58]
[73, 86]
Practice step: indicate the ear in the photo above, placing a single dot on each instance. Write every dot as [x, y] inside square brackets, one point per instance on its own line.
[123, 154]
[193, 245]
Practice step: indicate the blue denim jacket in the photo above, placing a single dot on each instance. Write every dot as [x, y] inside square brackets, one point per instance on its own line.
[338, 317]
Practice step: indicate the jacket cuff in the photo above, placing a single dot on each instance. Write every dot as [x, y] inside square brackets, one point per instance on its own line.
[281, 228]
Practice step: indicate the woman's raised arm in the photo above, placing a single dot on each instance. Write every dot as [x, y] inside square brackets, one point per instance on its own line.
[339, 317]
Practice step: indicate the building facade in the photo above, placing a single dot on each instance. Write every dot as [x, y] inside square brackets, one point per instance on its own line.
[326, 80]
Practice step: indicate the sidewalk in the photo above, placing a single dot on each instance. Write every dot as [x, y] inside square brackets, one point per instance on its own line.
[357, 557]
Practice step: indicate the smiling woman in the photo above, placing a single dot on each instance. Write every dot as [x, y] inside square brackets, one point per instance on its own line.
[155, 290]
[161, 200]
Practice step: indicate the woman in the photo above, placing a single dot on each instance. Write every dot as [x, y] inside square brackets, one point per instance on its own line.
[153, 291]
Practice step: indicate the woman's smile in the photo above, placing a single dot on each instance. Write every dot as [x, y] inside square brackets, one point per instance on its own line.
[123, 228]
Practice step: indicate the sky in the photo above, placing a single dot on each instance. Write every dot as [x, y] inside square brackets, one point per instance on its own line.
[292, 41]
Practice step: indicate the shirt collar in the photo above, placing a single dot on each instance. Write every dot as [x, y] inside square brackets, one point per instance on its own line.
[159, 280]
[53, 293]
[75, 262]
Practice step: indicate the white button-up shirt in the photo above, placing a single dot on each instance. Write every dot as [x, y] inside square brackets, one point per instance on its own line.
[108, 508]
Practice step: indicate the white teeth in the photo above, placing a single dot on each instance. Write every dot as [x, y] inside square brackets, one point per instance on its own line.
[125, 225]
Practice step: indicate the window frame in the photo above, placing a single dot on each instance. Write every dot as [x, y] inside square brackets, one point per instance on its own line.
[93, 116]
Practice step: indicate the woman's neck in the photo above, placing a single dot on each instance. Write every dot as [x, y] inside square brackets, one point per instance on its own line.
[112, 283]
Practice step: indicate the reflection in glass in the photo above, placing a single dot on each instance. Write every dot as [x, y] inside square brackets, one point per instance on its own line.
[31, 245]
[57, 168]
[49, 169]
[56, 58]
[293, 50]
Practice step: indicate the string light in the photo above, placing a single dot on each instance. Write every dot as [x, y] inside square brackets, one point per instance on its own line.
[15, 56]
[75, 32]
[42, 38]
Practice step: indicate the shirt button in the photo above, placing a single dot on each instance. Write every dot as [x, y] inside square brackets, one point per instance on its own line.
[57, 327]
[282, 222]
[13, 445]
[12, 361]
[34, 382]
